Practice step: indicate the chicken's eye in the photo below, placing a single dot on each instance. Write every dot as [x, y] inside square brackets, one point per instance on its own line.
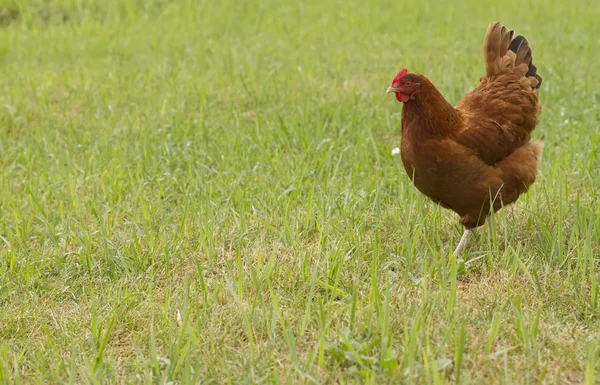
[407, 84]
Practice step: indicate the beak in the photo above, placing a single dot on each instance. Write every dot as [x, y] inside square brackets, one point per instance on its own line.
[392, 89]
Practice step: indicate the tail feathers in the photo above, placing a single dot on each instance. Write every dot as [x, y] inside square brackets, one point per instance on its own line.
[495, 46]
[520, 46]
[501, 51]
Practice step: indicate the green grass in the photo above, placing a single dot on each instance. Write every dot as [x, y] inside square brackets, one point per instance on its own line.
[203, 192]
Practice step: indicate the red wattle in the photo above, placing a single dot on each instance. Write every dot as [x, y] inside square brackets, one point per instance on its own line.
[402, 98]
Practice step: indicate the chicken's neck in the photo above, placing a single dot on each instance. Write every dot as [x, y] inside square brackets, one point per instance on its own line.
[430, 114]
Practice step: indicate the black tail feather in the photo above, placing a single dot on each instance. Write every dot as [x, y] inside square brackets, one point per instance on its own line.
[520, 46]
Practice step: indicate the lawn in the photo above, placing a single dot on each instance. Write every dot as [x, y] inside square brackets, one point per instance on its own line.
[204, 192]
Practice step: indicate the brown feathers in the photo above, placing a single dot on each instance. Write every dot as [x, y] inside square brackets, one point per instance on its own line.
[495, 46]
[476, 157]
[501, 51]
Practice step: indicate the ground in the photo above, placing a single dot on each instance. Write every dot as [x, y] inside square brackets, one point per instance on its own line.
[204, 192]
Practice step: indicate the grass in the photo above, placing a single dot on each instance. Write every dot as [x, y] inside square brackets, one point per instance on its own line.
[203, 192]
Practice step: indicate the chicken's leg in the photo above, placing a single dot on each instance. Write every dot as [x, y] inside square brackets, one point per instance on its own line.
[463, 242]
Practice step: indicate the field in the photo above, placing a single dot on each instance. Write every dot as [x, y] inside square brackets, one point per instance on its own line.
[204, 192]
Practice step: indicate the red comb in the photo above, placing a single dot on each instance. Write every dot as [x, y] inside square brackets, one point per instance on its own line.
[399, 75]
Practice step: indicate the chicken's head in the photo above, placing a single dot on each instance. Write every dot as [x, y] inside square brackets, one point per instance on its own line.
[405, 86]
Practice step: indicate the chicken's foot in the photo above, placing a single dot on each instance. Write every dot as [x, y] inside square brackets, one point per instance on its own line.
[463, 242]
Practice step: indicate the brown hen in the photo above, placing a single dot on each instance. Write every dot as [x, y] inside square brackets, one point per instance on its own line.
[476, 157]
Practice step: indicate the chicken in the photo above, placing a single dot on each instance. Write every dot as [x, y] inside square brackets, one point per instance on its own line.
[476, 157]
